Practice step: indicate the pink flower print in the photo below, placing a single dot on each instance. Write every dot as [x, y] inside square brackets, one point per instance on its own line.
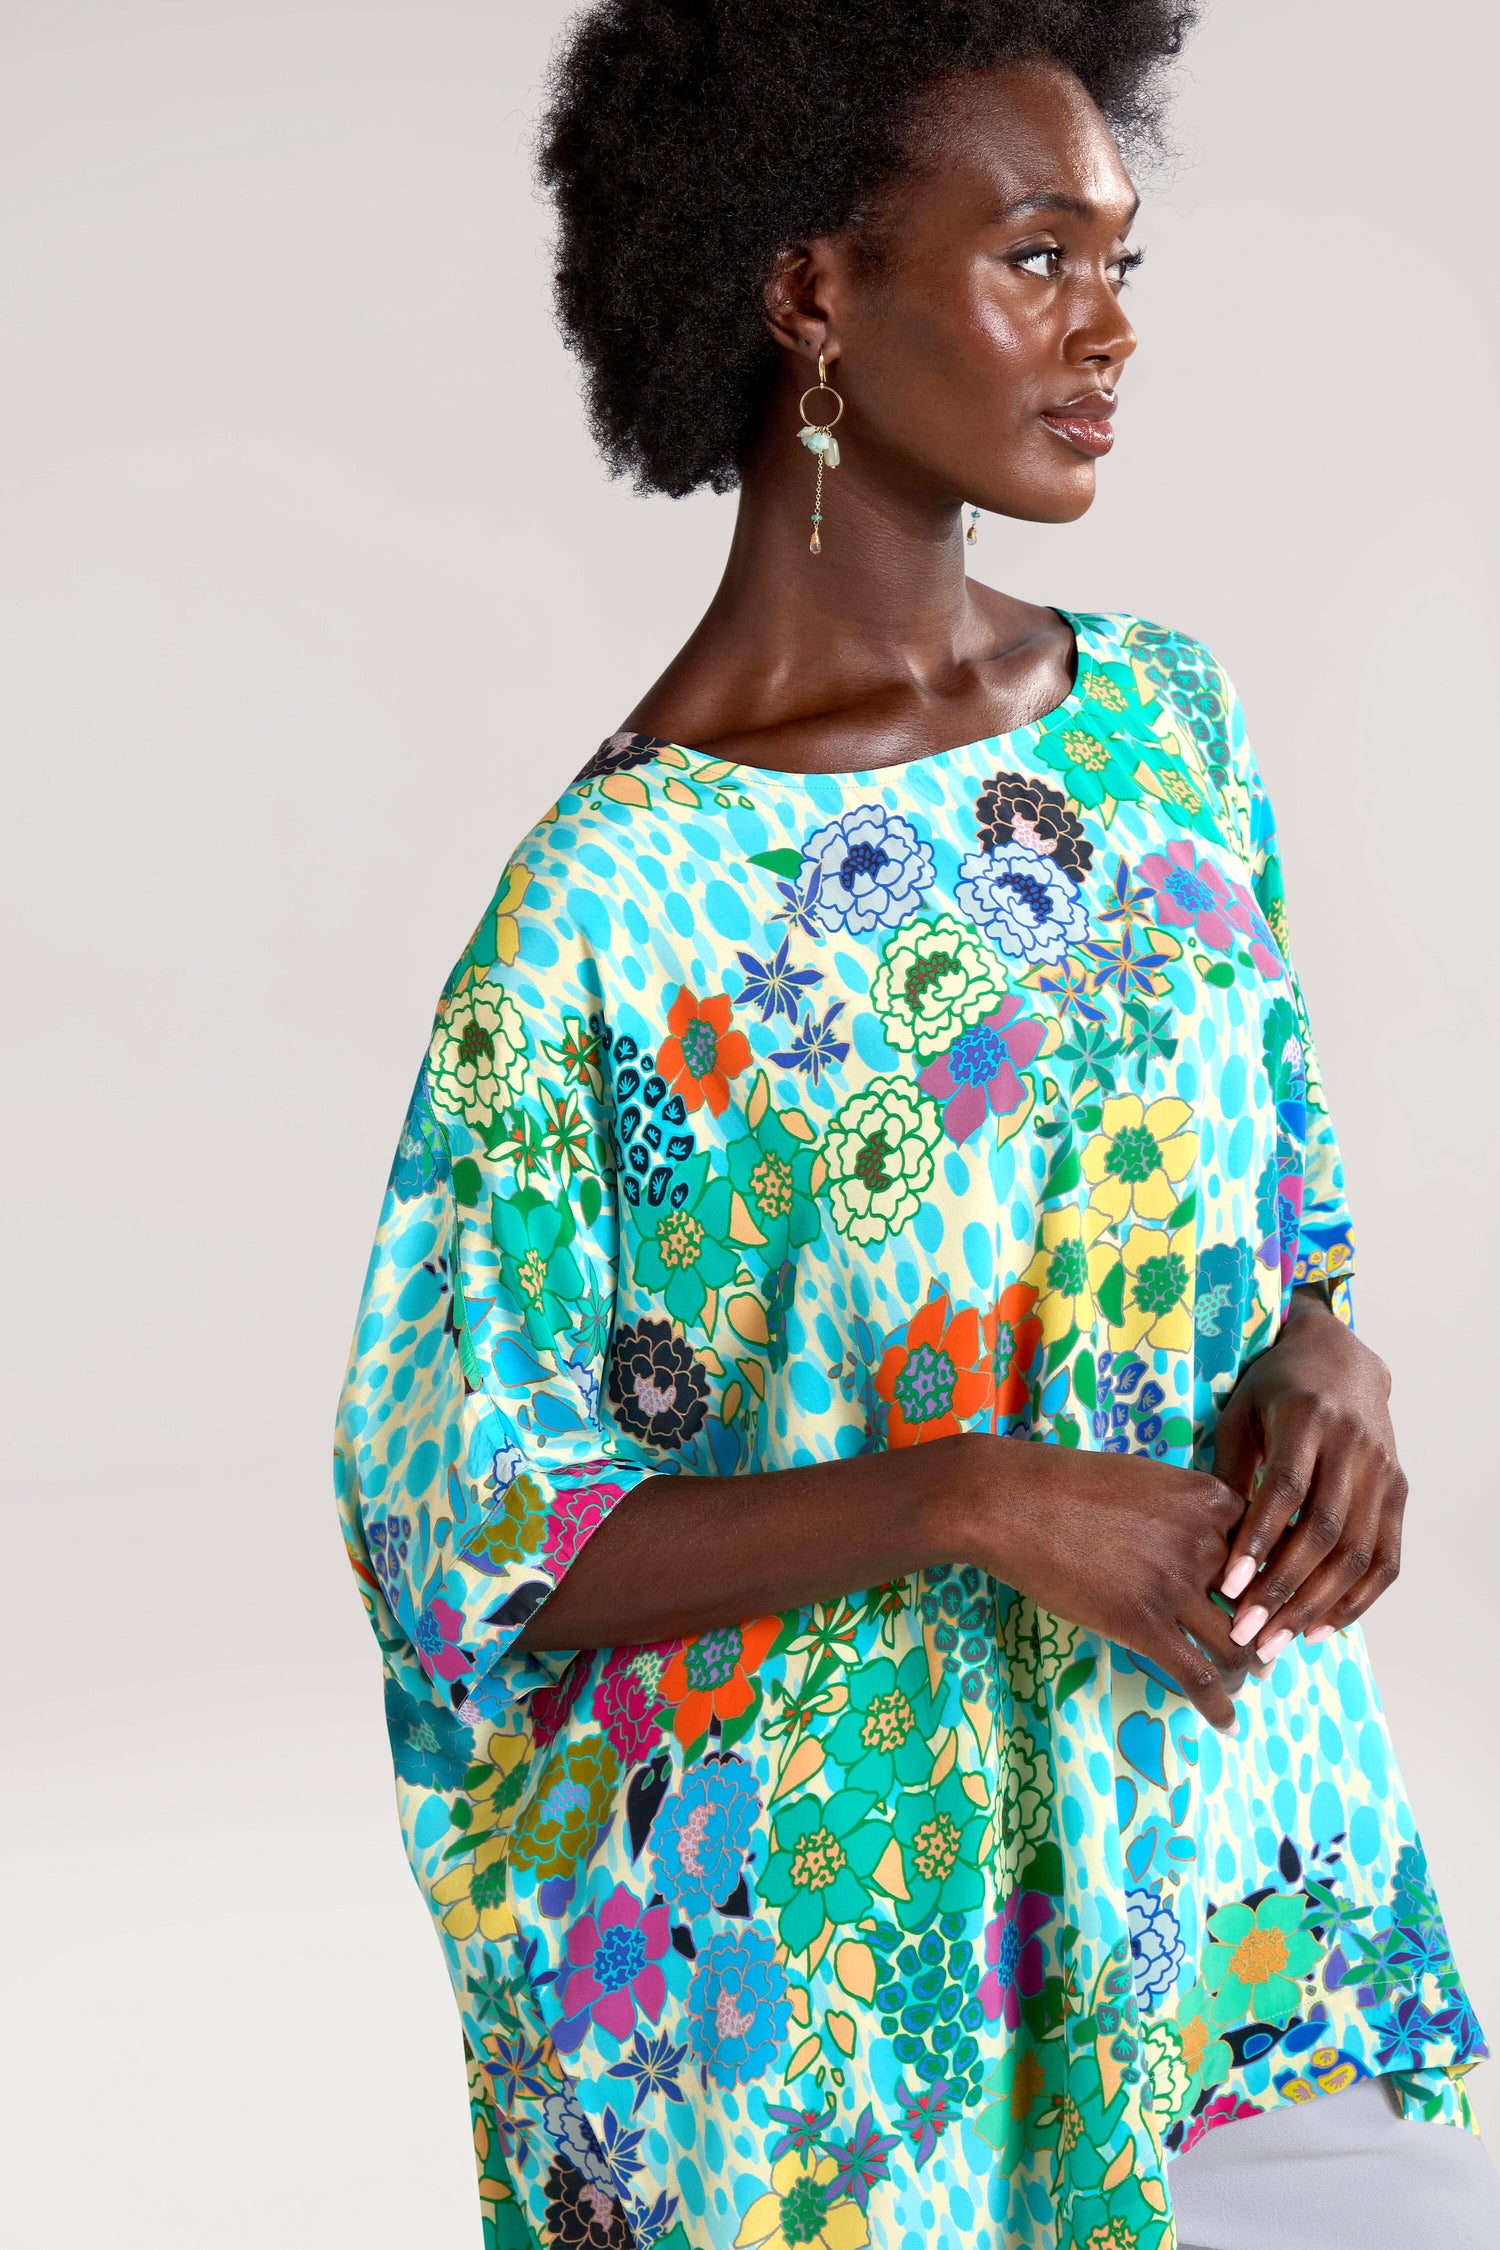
[439, 1631]
[1222, 2110]
[573, 1518]
[1191, 894]
[1264, 951]
[1014, 1953]
[629, 1712]
[614, 1956]
[551, 1707]
[978, 1073]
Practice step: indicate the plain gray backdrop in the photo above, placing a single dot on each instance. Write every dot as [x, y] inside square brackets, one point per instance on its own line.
[314, 595]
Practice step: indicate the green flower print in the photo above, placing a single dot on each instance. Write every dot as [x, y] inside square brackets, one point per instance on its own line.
[883, 1739]
[514, 1532]
[770, 1170]
[1022, 2091]
[1118, 2219]
[1167, 2068]
[823, 1853]
[938, 1831]
[1037, 1646]
[475, 1061]
[682, 1254]
[1097, 742]
[533, 1233]
[1207, 2057]
[935, 979]
[573, 1797]
[1255, 1956]
[1026, 1792]
[880, 1151]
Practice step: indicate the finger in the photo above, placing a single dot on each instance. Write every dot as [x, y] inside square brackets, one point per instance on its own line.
[1334, 1497]
[1382, 1574]
[1351, 1561]
[1237, 1444]
[1291, 1458]
[1198, 1677]
[1208, 1625]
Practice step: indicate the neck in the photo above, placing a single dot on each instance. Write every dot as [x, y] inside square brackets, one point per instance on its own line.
[789, 634]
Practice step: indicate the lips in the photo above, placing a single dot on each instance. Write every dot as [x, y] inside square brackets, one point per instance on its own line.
[1083, 423]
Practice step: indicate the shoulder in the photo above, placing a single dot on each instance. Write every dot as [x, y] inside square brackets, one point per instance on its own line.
[1180, 668]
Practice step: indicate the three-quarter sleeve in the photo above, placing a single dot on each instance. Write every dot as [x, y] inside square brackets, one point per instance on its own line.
[1318, 1243]
[474, 1457]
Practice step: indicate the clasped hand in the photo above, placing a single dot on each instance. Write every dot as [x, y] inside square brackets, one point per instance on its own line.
[1306, 1436]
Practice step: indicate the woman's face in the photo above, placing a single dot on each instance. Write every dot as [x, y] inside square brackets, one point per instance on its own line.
[978, 360]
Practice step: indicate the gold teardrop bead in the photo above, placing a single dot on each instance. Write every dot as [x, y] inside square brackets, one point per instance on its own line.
[815, 544]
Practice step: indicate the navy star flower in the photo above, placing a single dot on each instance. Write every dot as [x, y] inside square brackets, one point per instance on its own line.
[814, 1047]
[773, 986]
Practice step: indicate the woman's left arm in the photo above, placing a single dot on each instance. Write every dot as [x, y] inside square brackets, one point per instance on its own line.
[1313, 1411]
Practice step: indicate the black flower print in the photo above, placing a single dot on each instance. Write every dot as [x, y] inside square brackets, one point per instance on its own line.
[619, 753]
[1014, 808]
[581, 2215]
[658, 1390]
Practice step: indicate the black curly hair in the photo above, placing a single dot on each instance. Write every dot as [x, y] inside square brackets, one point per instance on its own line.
[687, 142]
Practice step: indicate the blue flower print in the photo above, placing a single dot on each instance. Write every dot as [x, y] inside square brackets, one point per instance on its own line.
[1023, 900]
[428, 1746]
[1156, 1946]
[873, 866]
[738, 2006]
[774, 986]
[702, 1834]
[422, 1162]
[1221, 1303]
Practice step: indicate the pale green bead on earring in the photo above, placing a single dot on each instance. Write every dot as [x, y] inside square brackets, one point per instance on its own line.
[821, 443]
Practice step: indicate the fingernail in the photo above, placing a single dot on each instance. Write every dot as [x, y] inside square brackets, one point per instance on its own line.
[1249, 1625]
[1318, 1633]
[1273, 1644]
[1233, 1726]
[1237, 1577]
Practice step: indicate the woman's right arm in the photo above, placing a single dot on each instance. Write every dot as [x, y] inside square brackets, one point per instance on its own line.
[1124, 1547]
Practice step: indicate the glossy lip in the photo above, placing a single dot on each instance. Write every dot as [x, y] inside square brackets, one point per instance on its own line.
[1083, 423]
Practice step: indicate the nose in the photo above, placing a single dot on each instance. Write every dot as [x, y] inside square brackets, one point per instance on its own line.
[1101, 335]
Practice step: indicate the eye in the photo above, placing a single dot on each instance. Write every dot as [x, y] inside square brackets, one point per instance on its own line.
[1046, 263]
[1124, 266]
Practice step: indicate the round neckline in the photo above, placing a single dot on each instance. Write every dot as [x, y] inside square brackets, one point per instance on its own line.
[899, 765]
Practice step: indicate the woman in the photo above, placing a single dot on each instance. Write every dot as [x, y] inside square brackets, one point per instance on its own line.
[844, 1823]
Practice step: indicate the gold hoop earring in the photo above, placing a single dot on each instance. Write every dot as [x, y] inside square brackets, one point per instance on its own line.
[821, 443]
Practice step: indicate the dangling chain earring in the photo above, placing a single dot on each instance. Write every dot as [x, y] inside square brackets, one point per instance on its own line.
[972, 534]
[820, 441]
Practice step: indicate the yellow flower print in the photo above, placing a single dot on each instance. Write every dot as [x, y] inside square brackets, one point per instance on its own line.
[507, 914]
[1154, 1296]
[498, 1782]
[476, 1894]
[478, 1051]
[1136, 1162]
[1066, 1269]
[801, 2211]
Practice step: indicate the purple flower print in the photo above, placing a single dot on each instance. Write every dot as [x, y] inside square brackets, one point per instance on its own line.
[1013, 1951]
[613, 1957]
[439, 1631]
[978, 1073]
[1191, 894]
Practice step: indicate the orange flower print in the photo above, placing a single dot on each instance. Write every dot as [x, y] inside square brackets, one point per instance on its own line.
[702, 1054]
[938, 1376]
[711, 1677]
[1012, 1335]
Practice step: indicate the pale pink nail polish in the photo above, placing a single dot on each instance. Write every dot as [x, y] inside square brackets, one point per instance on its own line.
[1273, 1644]
[1318, 1633]
[1237, 1577]
[1249, 1625]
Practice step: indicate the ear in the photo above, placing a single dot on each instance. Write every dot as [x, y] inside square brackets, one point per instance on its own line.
[798, 300]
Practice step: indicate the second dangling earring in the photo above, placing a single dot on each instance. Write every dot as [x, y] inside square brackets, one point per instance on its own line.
[821, 443]
[972, 534]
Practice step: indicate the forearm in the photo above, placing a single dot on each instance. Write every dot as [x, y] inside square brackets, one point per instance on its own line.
[680, 1555]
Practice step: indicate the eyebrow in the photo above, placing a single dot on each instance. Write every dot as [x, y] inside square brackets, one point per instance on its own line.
[1058, 199]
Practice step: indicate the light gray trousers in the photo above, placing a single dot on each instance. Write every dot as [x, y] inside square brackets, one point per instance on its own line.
[1344, 2172]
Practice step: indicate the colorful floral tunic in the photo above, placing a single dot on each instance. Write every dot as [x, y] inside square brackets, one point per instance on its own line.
[776, 1118]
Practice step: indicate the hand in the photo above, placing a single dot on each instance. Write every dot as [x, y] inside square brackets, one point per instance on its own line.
[1123, 1546]
[1312, 1410]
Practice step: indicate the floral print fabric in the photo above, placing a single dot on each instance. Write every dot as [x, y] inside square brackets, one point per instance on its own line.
[771, 1119]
